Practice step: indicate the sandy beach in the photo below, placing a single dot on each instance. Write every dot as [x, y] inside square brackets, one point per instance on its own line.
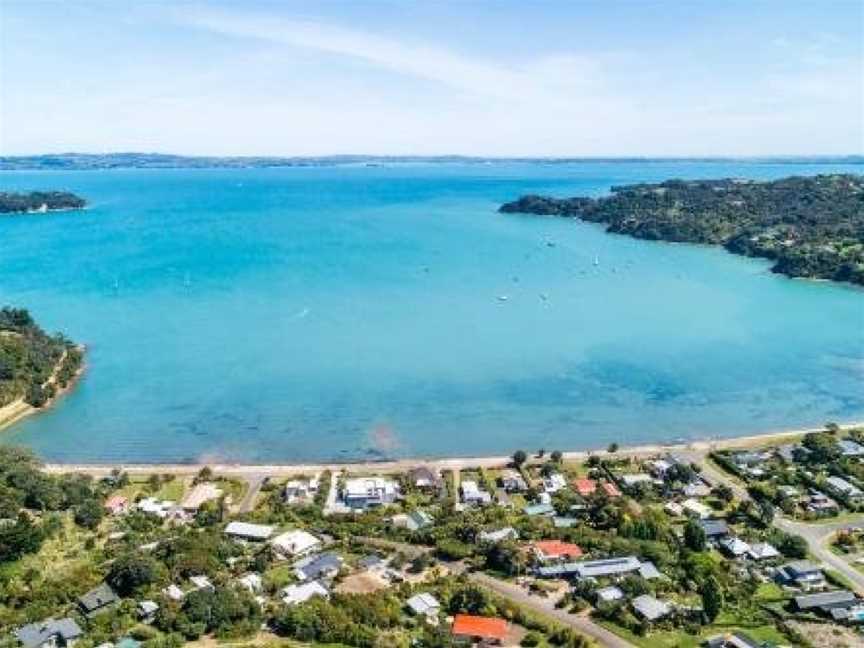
[401, 465]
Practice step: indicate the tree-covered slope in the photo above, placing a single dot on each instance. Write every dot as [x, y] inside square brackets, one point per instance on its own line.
[810, 226]
[18, 203]
[29, 357]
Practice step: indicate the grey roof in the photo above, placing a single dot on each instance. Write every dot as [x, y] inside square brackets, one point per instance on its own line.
[650, 608]
[611, 593]
[318, 566]
[800, 568]
[423, 603]
[564, 522]
[370, 561]
[97, 599]
[850, 448]
[539, 509]
[648, 570]
[733, 640]
[826, 600]
[36, 634]
[593, 568]
[714, 527]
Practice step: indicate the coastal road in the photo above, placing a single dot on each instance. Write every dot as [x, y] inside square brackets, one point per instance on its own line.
[546, 607]
[254, 483]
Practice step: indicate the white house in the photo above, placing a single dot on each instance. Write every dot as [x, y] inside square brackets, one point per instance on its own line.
[424, 604]
[473, 494]
[248, 531]
[252, 582]
[554, 483]
[364, 492]
[762, 551]
[294, 594]
[695, 508]
[295, 543]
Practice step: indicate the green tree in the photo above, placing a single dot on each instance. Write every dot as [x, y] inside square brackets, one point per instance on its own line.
[132, 572]
[694, 536]
[89, 514]
[556, 456]
[712, 598]
[613, 448]
[519, 458]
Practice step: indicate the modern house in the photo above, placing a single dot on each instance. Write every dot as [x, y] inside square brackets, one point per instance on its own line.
[295, 543]
[479, 631]
[295, 594]
[248, 531]
[50, 633]
[802, 574]
[826, 601]
[100, 599]
[365, 492]
[299, 490]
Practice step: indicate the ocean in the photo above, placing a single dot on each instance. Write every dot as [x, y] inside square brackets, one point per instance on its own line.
[363, 312]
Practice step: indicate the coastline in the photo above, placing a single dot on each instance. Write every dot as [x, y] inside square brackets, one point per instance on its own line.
[401, 465]
[18, 410]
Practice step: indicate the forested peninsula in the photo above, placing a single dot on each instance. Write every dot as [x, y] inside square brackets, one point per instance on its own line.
[39, 201]
[809, 226]
[34, 366]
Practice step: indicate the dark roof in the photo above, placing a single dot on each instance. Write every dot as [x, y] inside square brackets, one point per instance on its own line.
[734, 640]
[714, 527]
[36, 634]
[367, 562]
[425, 473]
[826, 600]
[97, 599]
[317, 566]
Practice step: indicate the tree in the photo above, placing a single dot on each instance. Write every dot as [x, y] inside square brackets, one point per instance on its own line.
[694, 536]
[712, 598]
[204, 475]
[131, 572]
[557, 456]
[89, 514]
[723, 492]
[20, 538]
[766, 512]
[613, 448]
[519, 458]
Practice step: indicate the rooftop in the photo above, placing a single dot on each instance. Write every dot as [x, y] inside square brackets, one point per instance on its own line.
[467, 625]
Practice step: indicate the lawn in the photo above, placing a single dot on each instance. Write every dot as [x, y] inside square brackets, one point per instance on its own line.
[172, 490]
[680, 639]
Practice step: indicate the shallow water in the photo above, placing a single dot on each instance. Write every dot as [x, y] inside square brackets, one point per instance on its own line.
[354, 312]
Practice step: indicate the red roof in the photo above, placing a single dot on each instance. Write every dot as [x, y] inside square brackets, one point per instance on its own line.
[557, 549]
[585, 486]
[467, 625]
[115, 502]
[611, 489]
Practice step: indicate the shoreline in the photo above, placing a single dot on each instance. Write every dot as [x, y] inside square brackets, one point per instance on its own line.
[18, 410]
[441, 463]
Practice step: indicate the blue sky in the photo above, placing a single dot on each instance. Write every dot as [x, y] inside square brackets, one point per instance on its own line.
[479, 78]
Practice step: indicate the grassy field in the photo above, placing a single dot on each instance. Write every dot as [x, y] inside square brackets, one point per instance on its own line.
[680, 639]
[172, 490]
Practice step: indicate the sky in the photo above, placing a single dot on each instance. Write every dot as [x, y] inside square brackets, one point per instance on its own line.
[486, 78]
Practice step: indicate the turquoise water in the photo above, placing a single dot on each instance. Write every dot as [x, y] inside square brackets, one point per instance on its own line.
[354, 312]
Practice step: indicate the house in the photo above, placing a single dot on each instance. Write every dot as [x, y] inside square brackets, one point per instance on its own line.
[564, 522]
[295, 543]
[542, 510]
[200, 493]
[585, 487]
[499, 535]
[248, 531]
[100, 599]
[417, 520]
[297, 490]
[555, 551]
[854, 614]
[748, 459]
[791, 453]
[50, 633]
[372, 562]
[160, 508]
[251, 582]
[802, 574]
[554, 483]
[201, 583]
[762, 551]
[147, 610]
[733, 546]
[787, 491]
[325, 565]
[512, 482]
[424, 605]
[732, 640]
[696, 509]
[674, 509]
[600, 568]
[425, 479]
[843, 488]
[295, 594]
[473, 494]
[173, 592]
[659, 467]
[826, 601]
[609, 594]
[478, 630]
[117, 505]
[650, 608]
[697, 489]
[818, 502]
[610, 489]
[365, 492]
[633, 480]
[850, 448]
[714, 529]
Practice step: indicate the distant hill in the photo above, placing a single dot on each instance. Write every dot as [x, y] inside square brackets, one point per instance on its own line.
[18, 203]
[809, 226]
[33, 364]
[92, 161]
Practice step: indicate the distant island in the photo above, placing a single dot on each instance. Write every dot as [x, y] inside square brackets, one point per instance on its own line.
[132, 160]
[39, 201]
[34, 366]
[809, 226]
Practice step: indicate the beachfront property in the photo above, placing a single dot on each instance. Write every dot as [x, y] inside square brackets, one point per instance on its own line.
[164, 509]
[850, 448]
[425, 479]
[512, 481]
[296, 543]
[50, 633]
[248, 531]
[554, 482]
[200, 493]
[473, 495]
[300, 490]
[365, 492]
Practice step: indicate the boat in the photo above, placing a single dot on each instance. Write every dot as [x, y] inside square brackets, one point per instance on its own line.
[596, 260]
[503, 298]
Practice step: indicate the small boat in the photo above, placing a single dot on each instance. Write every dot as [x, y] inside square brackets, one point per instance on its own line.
[544, 297]
[596, 260]
[503, 298]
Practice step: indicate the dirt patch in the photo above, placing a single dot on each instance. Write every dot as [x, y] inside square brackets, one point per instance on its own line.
[364, 583]
[826, 635]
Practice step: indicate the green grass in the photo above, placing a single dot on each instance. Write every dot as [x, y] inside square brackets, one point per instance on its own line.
[680, 639]
[172, 490]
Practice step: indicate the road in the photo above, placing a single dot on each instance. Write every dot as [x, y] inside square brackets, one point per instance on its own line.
[254, 482]
[546, 607]
[817, 536]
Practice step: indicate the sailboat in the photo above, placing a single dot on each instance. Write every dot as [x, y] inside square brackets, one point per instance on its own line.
[596, 260]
